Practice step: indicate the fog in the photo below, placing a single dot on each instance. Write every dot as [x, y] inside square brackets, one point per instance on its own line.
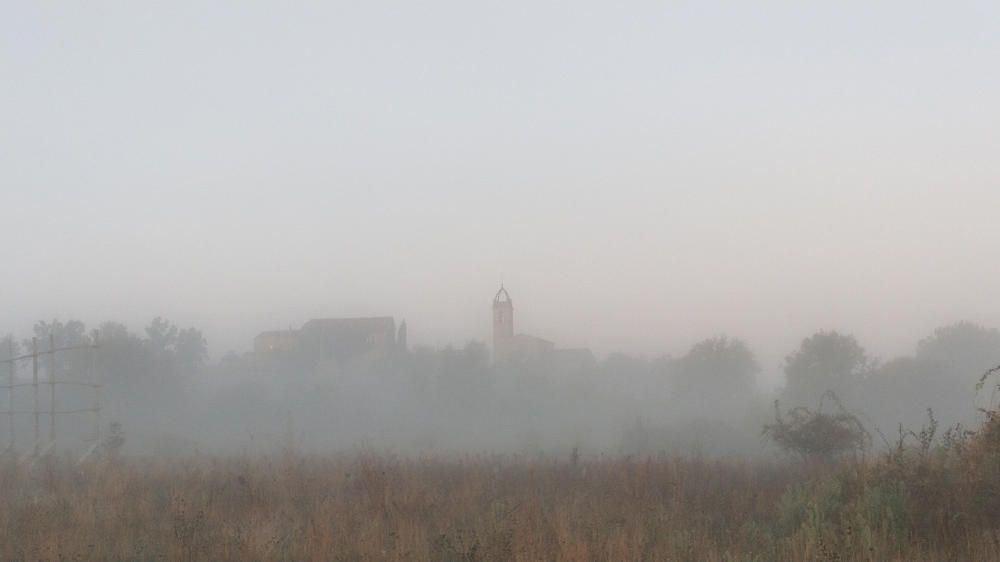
[691, 192]
[337, 385]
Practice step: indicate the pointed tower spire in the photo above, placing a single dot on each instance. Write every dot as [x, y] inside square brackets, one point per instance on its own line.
[503, 325]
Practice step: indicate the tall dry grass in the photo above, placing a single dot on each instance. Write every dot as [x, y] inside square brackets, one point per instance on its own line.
[379, 507]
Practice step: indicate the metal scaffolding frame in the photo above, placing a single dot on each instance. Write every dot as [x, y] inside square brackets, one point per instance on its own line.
[40, 449]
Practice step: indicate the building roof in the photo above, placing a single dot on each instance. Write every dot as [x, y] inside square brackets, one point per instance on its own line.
[502, 296]
[278, 333]
[370, 323]
[530, 338]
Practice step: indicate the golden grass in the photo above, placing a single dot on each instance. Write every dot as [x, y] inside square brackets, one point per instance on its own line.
[379, 507]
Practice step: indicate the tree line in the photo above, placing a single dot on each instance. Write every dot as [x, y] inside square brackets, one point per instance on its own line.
[157, 379]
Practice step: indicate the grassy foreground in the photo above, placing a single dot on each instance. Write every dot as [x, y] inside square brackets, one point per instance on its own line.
[924, 502]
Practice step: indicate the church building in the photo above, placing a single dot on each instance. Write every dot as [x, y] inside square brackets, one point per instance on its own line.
[509, 347]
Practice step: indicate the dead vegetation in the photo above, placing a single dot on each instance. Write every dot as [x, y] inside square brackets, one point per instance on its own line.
[378, 507]
[818, 435]
[929, 496]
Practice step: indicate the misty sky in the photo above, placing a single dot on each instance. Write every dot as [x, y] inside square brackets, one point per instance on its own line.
[641, 175]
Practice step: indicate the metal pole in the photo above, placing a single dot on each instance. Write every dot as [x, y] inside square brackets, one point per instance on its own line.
[97, 391]
[10, 397]
[52, 388]
[34, 386]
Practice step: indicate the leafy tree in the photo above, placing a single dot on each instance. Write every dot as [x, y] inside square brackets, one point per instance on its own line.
[899, 392]
[121, 356]
[173, 350]
[624, 367]
[962, 350]
[65, 334]
[465, 369]
[161, 336]
[825, 361]
[953, 357]
[719, 368]
[113, 332]
[9, 347]
[473, 357]
[191, 349]
[941, 375]
[72, 333]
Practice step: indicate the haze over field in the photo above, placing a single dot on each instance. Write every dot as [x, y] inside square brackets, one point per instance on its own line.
[500, 281]
[644, 175]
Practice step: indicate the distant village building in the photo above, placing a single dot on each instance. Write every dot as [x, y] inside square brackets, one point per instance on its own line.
[276, 341]
[503, 326]
[509, 347]
[346, 341]
[401, 337]
[339, 340]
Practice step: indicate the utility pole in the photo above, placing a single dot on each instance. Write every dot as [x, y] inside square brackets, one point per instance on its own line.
[10, 396]
[34, 386]
[53, 381]
[52, 388]
[97, 390]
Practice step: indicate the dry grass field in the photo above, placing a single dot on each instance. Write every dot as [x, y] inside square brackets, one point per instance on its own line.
[922, 503]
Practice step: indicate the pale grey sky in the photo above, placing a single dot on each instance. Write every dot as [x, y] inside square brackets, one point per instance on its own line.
[641, 174]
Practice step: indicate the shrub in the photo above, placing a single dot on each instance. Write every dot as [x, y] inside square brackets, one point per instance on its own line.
[818, 435]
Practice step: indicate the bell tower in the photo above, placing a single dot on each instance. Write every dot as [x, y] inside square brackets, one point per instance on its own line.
[503, 325]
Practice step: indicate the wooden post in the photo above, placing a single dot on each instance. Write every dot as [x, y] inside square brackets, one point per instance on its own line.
[52, 387]
[34, 386]
[10, 397]
[97, 390]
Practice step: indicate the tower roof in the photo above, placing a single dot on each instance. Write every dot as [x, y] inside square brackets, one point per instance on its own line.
[502, 297]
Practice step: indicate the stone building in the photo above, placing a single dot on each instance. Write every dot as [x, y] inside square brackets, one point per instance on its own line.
[509, 347]
[342, 341]
[345, 340]
[276, 342]
[503, 326]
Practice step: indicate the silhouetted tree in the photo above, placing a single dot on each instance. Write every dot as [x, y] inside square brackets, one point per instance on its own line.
[825, 361]
[463, 370]
[161, 336]
[113, 331]
[122, 357]
[175, 351]
[718, 370]
[70, 333]
[620, 366]
[962, 350]
[64, 334]
[191, 349]
[941, 375]
[954, 357]
[897, 393]
[818, 435]
[9, 347]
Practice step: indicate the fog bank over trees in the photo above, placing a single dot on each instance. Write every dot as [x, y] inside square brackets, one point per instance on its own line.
[170, 400]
